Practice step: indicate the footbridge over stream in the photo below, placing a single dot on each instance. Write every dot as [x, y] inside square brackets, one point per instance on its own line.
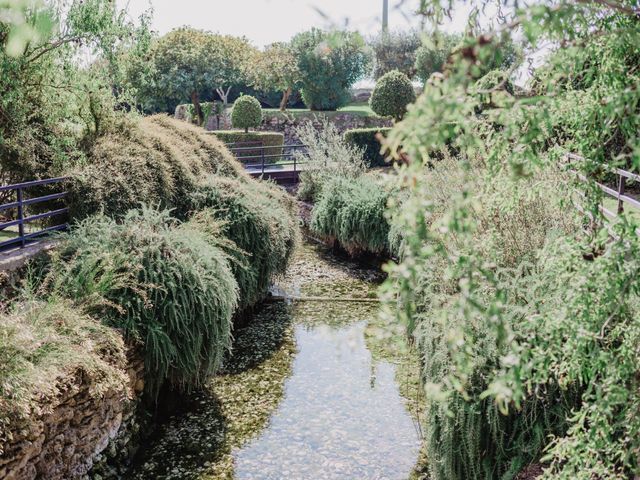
[282, 164]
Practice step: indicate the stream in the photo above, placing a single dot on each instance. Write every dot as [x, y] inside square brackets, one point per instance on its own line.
[314, 389]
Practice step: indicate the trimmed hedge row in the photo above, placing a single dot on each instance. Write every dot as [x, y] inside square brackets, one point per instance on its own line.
[365, 138]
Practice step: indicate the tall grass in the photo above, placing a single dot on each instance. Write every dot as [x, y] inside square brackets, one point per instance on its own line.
[327, 156]
[165, 285]
[260, 221]
[352, 211]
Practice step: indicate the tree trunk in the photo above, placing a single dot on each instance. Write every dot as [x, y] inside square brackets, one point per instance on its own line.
[224, 95]
[195, 100]
[285, 99]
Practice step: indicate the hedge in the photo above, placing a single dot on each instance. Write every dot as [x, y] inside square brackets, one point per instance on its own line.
[365, 138]
[268, 139]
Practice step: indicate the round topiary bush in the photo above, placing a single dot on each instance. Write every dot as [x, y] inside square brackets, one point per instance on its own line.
[247, 113]
[392, 94]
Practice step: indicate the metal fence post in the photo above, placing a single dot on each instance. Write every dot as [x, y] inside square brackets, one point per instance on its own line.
[262, 150]
[621, 186]
[20, 216]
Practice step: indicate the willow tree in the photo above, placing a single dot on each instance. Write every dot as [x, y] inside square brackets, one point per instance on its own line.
[528, 322]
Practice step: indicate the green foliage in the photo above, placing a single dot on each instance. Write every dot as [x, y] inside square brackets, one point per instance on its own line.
[51, 108]
[28, 23]
[327, 156]
[157, 161]
[276, 69]
[165, 285]
[42, 345]
[391, 95]
[432, 56]
[493, 89]
[395, 51]
[366, 140]
[329, 64]
[247, 113]
[351, 211]
[515, 307]
[186, 62]
[260, 221]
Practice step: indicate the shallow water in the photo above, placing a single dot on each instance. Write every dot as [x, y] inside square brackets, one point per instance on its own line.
[311, 391]
[341, 417]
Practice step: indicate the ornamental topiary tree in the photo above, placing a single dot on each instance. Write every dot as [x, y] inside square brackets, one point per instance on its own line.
[392, 94]
[247, 113]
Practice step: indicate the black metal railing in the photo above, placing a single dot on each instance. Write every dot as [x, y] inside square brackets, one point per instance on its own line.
[259, 157]
[17, 221]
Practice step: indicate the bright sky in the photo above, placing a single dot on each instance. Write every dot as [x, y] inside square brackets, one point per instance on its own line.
[267, 21]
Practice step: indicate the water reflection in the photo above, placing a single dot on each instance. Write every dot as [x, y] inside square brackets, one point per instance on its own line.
[341, 416]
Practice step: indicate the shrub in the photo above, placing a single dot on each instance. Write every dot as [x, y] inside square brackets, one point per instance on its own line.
[165, 285]
[491, 89]
[329, 64]
[327, 155]
[157, 160]
[391, 95]
[246, 113]
[266, 139]
[469, 437]
[42, 345]
[260, 221]
[352, 211]
[365, 139]
[432, 57]
[395, 51]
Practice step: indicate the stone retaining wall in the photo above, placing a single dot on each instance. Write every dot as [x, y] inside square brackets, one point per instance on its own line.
[286, 123]
[74, 431]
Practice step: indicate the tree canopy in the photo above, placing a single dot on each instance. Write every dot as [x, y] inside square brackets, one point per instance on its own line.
[329, 63]
[275, 68]
[187, 62]
[395, 51]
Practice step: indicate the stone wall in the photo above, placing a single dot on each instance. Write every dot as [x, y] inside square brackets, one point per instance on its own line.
[287, 122]
[70, 433]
